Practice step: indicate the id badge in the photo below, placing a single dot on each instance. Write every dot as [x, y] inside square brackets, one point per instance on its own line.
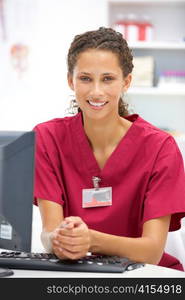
[97, 197]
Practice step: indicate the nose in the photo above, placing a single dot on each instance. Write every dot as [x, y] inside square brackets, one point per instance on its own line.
[96, 91]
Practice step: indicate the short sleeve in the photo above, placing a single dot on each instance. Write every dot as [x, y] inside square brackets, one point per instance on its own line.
[47, 181]
[166, 189]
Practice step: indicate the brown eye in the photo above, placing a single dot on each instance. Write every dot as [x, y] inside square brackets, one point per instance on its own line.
[85, 78]
[108, 78]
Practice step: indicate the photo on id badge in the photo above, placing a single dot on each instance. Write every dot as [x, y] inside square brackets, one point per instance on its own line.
[97, 197]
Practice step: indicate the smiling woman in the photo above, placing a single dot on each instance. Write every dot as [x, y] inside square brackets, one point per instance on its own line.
[106, 181]
[103, 39]
[98, 82]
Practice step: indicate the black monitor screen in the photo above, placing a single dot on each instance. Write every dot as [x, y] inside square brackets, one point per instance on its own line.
[16, 189]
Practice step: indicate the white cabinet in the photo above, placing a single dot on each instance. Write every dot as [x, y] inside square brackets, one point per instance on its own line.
[162, 105]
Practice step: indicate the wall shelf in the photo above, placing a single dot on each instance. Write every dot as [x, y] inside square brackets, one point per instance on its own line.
[157, 2]
[164, 106]
[156, 91]
[158, 45]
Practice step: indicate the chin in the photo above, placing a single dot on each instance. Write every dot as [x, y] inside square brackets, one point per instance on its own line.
[96, 115]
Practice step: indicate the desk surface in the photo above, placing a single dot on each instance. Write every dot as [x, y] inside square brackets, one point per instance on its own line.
[148, 271]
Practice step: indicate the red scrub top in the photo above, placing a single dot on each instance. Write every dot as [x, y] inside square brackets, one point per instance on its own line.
[145, 171]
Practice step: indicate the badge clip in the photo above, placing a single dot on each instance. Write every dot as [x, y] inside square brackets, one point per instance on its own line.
[96, 181]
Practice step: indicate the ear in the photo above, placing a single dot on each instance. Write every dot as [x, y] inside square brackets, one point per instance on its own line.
[70, 81]
[127, 82]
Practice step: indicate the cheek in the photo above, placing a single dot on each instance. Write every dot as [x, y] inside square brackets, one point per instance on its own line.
[81, 90]
[115, 93]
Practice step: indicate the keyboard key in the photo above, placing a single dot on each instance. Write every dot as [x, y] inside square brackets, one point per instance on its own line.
[49, 261]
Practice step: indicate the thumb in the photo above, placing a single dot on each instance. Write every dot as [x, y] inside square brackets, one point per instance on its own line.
[73, 221]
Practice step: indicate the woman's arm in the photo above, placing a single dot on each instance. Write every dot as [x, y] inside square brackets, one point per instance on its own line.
[148, 248]
[51, 216]
[53, 225]
[71, 238]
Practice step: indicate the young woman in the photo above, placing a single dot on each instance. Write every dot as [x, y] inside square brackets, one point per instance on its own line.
[105, 181]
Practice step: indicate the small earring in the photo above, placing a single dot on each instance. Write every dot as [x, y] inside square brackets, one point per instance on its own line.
[73, 107]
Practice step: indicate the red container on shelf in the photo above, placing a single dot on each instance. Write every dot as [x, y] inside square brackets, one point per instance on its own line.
[131, 28]
[145, 31]
[128, 26]
[134, 29]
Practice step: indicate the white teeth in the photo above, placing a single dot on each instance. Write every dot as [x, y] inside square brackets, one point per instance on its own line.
[97, 104]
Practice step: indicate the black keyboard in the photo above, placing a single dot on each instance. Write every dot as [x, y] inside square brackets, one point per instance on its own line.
[47, 261]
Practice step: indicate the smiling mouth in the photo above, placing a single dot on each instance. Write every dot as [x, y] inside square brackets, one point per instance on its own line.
[97, 104]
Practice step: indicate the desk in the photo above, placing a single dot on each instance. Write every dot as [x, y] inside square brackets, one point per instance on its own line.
[148, 271]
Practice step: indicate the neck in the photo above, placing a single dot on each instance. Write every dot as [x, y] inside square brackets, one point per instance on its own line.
[105, 132]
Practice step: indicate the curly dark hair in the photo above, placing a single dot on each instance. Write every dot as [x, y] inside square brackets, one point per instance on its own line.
[105, 39]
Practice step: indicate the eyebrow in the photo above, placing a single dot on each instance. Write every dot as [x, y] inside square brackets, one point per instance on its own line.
[107, 73]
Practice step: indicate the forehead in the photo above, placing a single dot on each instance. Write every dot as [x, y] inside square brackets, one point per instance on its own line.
[97, 58]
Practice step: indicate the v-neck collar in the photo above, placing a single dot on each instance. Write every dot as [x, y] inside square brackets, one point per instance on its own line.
[87, 153]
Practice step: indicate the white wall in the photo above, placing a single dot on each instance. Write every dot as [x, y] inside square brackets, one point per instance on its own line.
[42, 93]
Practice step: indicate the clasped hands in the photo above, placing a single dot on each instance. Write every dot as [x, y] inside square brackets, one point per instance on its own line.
[71, 240]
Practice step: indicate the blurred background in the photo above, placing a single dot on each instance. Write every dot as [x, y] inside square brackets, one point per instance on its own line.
[34, 39]
[35, 36]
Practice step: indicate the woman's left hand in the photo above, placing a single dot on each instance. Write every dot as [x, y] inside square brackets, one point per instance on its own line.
[73, 238]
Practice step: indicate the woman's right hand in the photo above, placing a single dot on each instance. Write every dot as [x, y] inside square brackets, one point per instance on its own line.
[71, 240]
[56, 244]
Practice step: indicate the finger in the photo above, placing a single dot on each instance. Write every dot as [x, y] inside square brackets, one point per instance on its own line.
[59, 252]
[64, 230]
[75, 245]
[63, 253]
[71, 246]
[71, 240]
[75, 220]
[81, 230]
[70, 252]
[67, 224]
[75, 248]
[74, 255]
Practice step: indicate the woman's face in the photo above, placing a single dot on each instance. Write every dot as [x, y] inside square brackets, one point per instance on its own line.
[98, 83]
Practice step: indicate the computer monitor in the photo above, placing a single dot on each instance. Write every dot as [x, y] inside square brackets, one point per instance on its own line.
[16, 189]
